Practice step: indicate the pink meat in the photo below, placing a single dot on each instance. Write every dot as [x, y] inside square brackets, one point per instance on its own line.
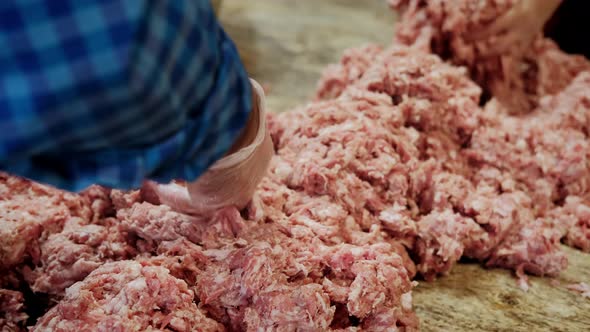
[498, 214]
[578, 234]
[547, 151]
[242, 274]
[29, 213]
[305, 308]
[396, 171]
[368, 279]
[80, 248]
[12, 311]
[535, 248]
[184, 259]
[246, 286]
[353, 64]
[127, 296]
[518, 78]
[61, 236]
[571, 107]
[100, 202]
[442, 238]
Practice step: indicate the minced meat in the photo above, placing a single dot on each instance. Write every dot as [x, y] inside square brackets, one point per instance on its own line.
[394, 172]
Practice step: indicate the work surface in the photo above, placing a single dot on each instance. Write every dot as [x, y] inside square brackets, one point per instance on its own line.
[285, 44]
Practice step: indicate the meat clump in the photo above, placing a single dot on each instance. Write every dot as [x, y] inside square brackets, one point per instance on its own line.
[127, 296]
[518, 77]
[12, 312]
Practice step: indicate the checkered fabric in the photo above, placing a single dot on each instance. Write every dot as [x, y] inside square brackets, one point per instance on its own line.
[115, 91]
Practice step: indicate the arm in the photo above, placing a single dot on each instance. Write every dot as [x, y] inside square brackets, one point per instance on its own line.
[117, 91]
[521, 24]
[232, 180]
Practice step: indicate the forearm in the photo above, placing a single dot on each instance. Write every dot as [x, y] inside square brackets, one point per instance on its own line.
[546, 8]
[159, 115]
[232, 180]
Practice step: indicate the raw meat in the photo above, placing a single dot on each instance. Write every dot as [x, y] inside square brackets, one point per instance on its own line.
[394, 172]
[517, 78]
[578, 235]
[56, 238]
[79, 249]
[29, 213]
[497, 222]
[353, 64]
[533, 248]
[12, 313]
[127, 296]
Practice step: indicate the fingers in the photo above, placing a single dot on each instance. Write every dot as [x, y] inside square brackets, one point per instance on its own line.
[511, 20]
[174, 195]
[501, 24]
[504, 44]
[149, 192]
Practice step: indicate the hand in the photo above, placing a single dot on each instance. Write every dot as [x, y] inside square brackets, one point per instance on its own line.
[520, 25]
[232, 179]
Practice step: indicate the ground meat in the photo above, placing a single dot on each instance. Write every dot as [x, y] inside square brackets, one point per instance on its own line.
[52, 238]
[151, 224]
[368, 279]
[518, 78]
[442, 238]
[581, 288]
[306, 307]
[499, 214]
[128, 296]
[546, 152]
[12, 313]
[79, 249]
[534, 248]
[570, 108]
[578, 235]
[238, 276]
[184, 259]
[247, 288]
[395, 171]
[100, 202]
[29, 213]
[352, 66]
[286, 259]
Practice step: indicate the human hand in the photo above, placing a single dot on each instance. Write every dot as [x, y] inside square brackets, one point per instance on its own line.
[519, 25]
[231, 181]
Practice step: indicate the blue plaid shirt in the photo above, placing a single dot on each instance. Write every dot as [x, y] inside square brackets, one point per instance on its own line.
[115, 91]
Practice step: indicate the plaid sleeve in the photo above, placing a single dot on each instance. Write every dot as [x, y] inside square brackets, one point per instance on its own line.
[115, 91]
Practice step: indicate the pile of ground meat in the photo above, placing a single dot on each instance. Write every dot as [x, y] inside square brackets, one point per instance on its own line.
[393, 174]
[518, 78]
